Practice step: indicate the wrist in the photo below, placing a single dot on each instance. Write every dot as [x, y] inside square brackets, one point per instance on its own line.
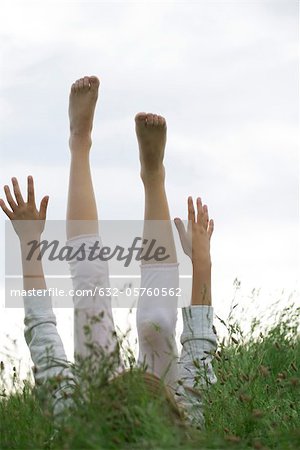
[25, 240]
[201, 291]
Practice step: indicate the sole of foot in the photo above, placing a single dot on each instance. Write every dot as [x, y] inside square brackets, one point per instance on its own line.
[82, 103]
[151, 132]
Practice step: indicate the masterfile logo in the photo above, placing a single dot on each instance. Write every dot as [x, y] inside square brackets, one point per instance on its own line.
[118, 251]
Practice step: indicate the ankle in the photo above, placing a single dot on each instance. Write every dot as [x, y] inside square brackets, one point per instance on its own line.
[78, 142]
[150, 177]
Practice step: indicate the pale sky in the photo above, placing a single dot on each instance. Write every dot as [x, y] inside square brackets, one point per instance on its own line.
[225, 76]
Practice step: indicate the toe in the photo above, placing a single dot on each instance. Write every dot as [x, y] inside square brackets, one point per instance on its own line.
[73, 88]
[161, 121]
[94, 82]
[140, 117]
[155, 120]
[150, 120]
[86, 83]
[81, 83]
[77, 85]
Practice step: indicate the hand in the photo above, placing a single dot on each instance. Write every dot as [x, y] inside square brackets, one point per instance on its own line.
[196, 240]
[34, 220]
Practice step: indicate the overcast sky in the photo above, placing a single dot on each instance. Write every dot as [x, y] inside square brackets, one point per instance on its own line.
[225, 76]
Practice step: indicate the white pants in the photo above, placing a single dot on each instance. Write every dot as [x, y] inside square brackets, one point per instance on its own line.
[156, 315]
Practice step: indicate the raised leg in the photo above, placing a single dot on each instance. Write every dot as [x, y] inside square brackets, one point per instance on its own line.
[151, 131]
[93, 320]
[157, 315]
[82, 217]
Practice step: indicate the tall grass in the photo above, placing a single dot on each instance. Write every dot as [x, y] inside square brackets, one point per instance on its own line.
[255, 403]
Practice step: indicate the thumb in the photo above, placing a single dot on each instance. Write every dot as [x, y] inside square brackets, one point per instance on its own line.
[180, 227]
[43, 207]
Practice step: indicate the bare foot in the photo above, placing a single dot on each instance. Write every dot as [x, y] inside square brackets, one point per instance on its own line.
[151, 131]
[82, 102]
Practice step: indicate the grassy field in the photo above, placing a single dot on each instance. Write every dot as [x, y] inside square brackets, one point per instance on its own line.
[255, 404]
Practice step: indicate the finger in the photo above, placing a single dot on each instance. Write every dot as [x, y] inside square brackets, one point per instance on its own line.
[9, 198]
[17, 191]
[211, 227]
[205, 217]
[199, 210]
[30, 191]
[5, 209]
[191, 210]
[43, 208]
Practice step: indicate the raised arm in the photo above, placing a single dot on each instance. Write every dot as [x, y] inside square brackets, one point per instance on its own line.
[28, 223]
[198, 338]
[45, 345]
[196, 244]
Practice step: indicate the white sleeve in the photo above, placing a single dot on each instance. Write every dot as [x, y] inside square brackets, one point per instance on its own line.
[199, 344]
[47, 350]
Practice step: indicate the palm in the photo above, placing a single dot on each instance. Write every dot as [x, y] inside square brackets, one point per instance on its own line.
[26, 219]
[196, 238]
